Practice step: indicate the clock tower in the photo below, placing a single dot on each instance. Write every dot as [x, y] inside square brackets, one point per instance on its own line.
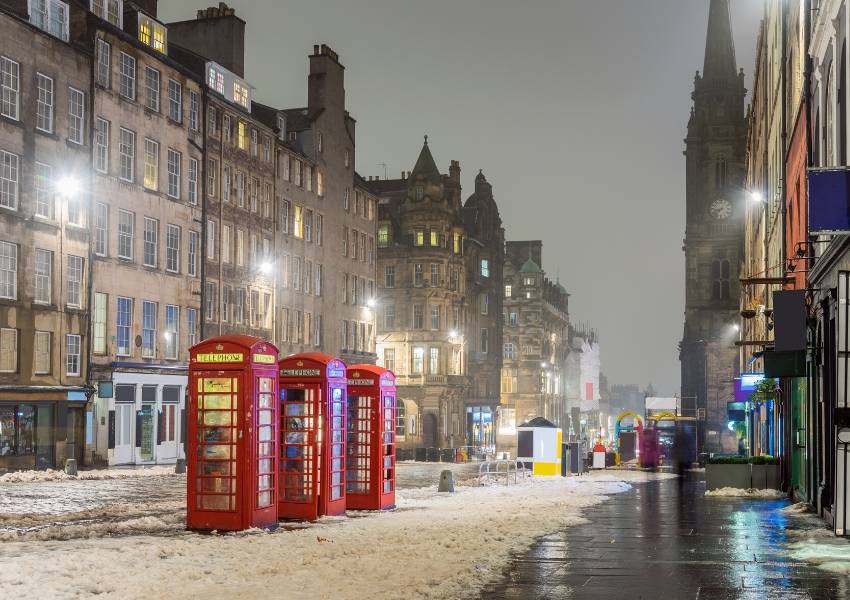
[715, 156]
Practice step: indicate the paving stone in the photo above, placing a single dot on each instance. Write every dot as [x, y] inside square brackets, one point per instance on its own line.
[672, 542]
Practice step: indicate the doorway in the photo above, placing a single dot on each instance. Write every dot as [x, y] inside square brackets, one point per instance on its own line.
[429, 430]
[125, 410]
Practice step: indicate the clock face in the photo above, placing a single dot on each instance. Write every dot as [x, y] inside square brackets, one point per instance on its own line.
[720, 209]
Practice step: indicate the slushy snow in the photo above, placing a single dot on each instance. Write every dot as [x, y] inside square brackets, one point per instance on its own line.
[728, 492]
[96, 474]
[432, 546]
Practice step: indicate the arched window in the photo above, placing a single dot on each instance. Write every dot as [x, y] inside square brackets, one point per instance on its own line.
[720, 173]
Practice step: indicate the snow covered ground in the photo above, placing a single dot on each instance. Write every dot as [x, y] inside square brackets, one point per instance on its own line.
[729, 492]
[433, 546]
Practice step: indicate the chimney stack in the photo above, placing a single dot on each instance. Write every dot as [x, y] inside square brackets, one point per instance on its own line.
[217, 34]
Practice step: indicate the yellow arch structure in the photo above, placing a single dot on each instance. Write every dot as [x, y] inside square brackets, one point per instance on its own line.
[668, 416]
[629, 413]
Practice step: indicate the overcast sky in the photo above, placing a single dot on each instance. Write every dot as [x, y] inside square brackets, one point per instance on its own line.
[575, 109]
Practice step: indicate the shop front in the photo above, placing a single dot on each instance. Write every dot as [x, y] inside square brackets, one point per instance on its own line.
[140, 418]
[481, 429]
[39, 430]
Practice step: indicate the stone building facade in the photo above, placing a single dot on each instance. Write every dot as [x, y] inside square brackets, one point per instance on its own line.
[146, 228]
[423, 301]
[535, 343]
[44, 241]
[715, 201]
[485, 257]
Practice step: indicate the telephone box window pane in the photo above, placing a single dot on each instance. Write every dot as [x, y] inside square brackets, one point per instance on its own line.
[265, 384]
[264, 499]
[264, 417]
[217, 485]
[214, 502]
[218, 468]
[219, 452]
[216, 402]
[218, 418]
[264, 434]
[296, 410]
[265, 448]
[264, 465]
[215, 435]
[217, 384]
[264, 401]
[264, 482]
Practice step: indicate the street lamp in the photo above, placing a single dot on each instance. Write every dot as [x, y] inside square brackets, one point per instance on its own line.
[266, 267]
[371, 302]
[68, 186]
[756, 196]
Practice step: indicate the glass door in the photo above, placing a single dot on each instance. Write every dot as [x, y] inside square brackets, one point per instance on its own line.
[125, 412]
[337, 444]
[169, 422]
[217, 443]
[265, 442]
[298, 450]
[388, 445]
[359, 450]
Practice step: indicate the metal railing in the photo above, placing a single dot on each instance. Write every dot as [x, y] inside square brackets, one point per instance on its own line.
[496, 469]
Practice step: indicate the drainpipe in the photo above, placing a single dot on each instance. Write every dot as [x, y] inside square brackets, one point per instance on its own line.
[202, 313]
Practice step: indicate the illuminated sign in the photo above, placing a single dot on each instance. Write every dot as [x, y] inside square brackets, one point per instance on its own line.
[361, 382]
[300, 372]
[387, 382]
[336, 373]
[266, 359]
[223, 357]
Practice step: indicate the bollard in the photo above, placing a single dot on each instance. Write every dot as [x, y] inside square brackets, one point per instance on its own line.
[447, 483]
[180, 466]
[71, 466]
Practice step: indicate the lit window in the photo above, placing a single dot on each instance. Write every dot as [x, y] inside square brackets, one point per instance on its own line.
[151, 164]
[485, 267]
[240, 94]
[383, 235]
[152, 33]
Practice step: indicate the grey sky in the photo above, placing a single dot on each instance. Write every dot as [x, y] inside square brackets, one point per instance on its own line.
[575, 109]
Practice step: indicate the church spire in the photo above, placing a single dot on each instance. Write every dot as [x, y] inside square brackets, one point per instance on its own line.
[720, 61]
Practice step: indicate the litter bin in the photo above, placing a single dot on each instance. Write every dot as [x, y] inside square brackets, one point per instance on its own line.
[421, 454]
[576, 452]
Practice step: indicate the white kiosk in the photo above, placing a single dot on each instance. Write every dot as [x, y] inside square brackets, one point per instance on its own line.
[539, 447]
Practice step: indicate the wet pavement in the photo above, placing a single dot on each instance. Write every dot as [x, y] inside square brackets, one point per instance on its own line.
[660, 540]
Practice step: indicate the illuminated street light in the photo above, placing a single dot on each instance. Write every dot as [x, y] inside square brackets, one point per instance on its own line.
[266, 267]
[371, 302]
[756, 197]
[68, 186]
[453, 333]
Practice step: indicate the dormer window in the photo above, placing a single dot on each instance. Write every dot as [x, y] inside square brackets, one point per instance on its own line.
[109, 10]
[281, 127]
[50, 16]
[152, 33]
[230, 86]
[240, 94]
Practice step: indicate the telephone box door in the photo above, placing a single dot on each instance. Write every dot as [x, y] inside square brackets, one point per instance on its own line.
[220, 445]
[300, 450]
[333, 489]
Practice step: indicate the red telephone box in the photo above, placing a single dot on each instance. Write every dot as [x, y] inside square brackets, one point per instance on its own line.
[312, 436]
[231, 446]
[370, 468]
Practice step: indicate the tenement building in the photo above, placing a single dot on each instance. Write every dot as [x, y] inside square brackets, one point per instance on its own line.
[715, 201]
[145, 222]
[239, 167]
[45, 80]
[422, 301]
[485, 256]
[327, 223]
[269, 261]
[535, 344]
